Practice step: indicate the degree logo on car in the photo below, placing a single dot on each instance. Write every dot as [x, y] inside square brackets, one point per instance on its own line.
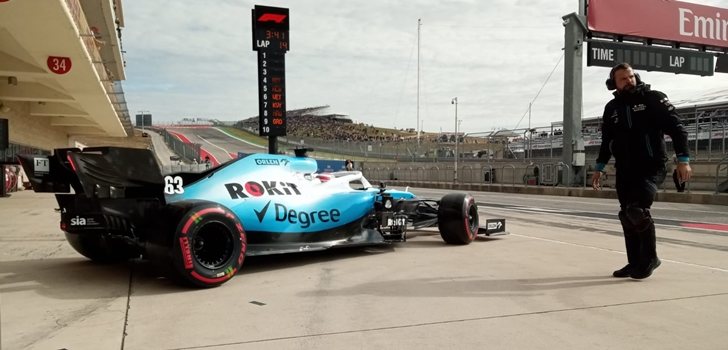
[304, 219]
[252, 188]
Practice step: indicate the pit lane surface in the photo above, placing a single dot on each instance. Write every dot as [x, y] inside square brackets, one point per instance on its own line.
[547, 285]
[217, 143]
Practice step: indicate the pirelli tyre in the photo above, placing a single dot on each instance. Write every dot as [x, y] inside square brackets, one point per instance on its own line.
[208, 245]
[457, 218]
[101, 248]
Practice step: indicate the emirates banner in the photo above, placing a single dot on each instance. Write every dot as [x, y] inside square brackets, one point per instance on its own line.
[667, 20]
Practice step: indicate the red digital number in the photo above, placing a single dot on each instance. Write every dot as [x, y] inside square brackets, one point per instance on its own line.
[59, 65]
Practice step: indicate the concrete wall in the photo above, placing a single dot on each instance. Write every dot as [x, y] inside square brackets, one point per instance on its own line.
[136, 141]
[509, 172]
[27, 130]
[32, 131]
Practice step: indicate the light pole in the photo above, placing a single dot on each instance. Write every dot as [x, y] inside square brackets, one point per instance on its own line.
[455, 102]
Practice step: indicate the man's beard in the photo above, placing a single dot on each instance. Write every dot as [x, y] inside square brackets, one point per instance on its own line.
[628, 89]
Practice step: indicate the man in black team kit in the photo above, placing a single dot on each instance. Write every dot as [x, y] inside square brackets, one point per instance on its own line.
[633, 128]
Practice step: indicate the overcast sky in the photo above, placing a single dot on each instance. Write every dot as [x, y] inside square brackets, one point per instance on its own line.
[194, 59]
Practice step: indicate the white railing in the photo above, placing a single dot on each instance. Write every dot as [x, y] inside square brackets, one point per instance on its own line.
[111, 84]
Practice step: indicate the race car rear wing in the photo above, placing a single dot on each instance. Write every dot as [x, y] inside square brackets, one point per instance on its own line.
[103, 172]
[50, 173]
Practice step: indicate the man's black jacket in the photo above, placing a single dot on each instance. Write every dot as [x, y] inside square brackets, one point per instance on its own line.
[633, 128]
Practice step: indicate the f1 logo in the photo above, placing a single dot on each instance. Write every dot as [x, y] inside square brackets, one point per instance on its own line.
[272, 17]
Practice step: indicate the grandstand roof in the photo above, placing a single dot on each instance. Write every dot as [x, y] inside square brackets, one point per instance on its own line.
[716, 97]
[307, 110]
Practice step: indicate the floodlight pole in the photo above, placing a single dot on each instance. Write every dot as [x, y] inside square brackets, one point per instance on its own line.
[455, 102]
[419, 24]
[142, 114]
[573, 141]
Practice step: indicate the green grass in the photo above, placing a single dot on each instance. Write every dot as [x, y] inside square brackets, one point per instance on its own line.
[252, 138]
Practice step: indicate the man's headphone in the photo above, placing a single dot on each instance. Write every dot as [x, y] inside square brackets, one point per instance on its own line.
[611, 84]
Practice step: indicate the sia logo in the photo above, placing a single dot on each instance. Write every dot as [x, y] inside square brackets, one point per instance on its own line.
[78, 221]
[254, 189]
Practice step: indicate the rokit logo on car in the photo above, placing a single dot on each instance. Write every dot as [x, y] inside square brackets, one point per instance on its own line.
[302, 218]
[271, 188]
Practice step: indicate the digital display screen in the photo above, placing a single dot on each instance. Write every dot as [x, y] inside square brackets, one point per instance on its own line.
[272, 88]
[271, 41]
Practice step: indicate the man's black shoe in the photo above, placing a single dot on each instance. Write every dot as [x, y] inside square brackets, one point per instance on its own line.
[623, 272]
[639, 274]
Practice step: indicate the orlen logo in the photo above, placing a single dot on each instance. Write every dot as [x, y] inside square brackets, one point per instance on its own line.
[267, 161]
[272, 17]
[78, 221]
[271, 188]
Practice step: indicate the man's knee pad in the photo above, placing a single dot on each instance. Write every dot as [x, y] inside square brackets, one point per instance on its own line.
[636, 218]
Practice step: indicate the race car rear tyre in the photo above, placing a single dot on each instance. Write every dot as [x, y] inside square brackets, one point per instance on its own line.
[209, 245]
[457, 218]
[99, 248]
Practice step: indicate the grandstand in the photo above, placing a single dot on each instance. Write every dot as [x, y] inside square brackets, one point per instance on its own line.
[325, 131]
[706, 120]
[705, 117]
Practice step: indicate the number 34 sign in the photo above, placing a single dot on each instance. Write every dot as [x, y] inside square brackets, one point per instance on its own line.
[59, 65]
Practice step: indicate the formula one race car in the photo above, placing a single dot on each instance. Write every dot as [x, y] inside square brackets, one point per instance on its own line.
[202, 225]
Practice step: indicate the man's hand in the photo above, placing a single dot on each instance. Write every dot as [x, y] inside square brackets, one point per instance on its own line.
[684, 172]
[595, 180]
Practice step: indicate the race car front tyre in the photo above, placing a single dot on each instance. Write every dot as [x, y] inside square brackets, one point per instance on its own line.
[209, 245]
[101, 248]
[457, 218]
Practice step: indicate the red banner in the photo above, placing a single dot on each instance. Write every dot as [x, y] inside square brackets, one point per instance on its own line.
[660, 19]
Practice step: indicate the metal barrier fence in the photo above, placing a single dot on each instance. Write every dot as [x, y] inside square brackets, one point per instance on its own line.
[532, 174]
[186, 151]
[468, 173]
[184, 168]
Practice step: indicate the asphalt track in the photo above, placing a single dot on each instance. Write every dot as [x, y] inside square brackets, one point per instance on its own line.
[547, 285]
[220, 145]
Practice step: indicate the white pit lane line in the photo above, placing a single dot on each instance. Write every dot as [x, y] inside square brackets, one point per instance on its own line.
[712, 268]
[706, 267]
[606, 250]
[214, 145]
